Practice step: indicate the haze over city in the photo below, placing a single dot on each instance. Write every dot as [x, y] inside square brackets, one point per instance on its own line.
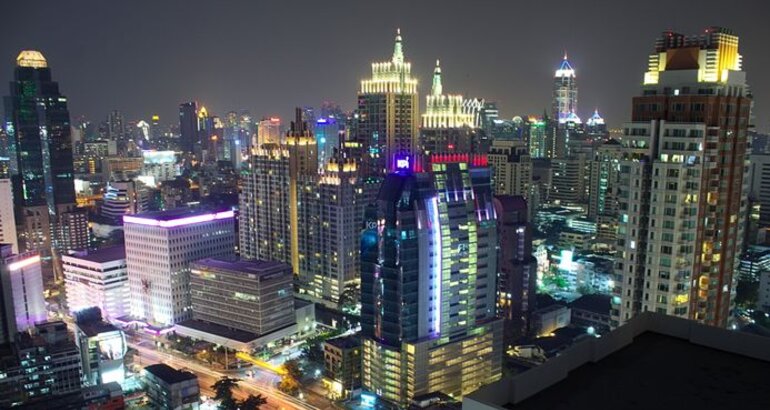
[145, 57]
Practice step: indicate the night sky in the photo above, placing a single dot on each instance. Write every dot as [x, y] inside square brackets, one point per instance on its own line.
[145, 57]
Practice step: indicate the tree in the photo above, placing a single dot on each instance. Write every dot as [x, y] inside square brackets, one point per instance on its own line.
[289, 385]
[253, 402]
[224, 393]
[292, 369]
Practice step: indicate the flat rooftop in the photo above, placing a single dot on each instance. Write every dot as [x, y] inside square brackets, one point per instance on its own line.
[179, 213]
[345, 342]
[94, 328]
[102, 255]
[254, 267]
[663, 372]
[168, 374]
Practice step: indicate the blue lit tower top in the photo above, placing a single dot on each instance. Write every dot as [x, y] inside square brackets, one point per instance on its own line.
[565, 93]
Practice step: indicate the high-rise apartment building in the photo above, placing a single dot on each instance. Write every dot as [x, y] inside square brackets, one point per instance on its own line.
[37, 121]
[759, 189]
[517, 280]
[512, 167]
[388, 114]
[428, 281]
[159, 248]
[264, 227]
[569, 177]
[602, 191]
[330, 232]
[682, 189]
[98, 279]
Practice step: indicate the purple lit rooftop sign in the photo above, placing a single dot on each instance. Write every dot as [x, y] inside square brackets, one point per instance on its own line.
[179, 222]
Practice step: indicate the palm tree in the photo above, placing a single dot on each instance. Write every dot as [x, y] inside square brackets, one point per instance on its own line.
[224, 393]
[253, 402]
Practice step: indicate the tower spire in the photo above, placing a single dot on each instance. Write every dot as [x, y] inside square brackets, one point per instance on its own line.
[437, 87]
[398, 52]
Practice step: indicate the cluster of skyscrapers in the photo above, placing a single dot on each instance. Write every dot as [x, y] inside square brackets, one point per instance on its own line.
[427, 214]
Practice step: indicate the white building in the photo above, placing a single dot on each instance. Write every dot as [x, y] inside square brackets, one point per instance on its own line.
[124, 198]
[7, 219]
[98, 279]
[159, 247]
[21, 291]
[159, 166]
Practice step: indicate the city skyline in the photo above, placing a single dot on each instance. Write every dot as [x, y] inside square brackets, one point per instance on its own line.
[142, 66]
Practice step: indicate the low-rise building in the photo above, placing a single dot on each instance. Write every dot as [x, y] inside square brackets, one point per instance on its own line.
[44, 362]
[171, 389]
[592, 311]
[342, 365]
[98, 278]
[102, 347]
[547, 319]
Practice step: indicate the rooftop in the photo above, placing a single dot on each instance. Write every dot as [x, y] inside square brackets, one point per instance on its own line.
[179, 216]
[345, 342]
[168, 374]
[108, 254]
[596, 303]
[654, 361]
[92, 329]
[675, 370]
[254, 267]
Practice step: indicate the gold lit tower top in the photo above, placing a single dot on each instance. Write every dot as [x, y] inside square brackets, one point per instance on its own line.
[445, 111]
[714, 54]
[394, 76]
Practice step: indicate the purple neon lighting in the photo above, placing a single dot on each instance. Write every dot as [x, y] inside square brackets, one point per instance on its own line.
[435, 226]
[179, 222]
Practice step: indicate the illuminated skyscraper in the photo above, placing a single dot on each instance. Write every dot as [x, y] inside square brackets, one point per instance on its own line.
[681, 191]
[565, 92]
[263, 222]
[188, 127]
[38, 122]
[269, 131]
[388, 113]
[447, 124]
[428, 281]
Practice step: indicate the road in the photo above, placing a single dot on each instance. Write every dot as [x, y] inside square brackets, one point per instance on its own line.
[207, 377]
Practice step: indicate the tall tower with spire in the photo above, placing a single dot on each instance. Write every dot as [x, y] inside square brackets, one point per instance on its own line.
[388, 113]
[565, 92]
[447, 122]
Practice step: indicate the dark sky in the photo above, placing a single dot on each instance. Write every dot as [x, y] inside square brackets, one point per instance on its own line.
[144, 57]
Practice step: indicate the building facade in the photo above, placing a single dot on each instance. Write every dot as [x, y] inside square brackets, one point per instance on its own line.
[253, 296]
[428, 281]
[98, 279]
[682, 190]
[21, 283]
[517, 280]
[37, 120]
[388, 114]
[159, 248]
[171, 389]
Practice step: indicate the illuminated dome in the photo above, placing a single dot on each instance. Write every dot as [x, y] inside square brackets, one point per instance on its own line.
[31, 58]
[517, 120]
[571, 117]
[595, 119]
